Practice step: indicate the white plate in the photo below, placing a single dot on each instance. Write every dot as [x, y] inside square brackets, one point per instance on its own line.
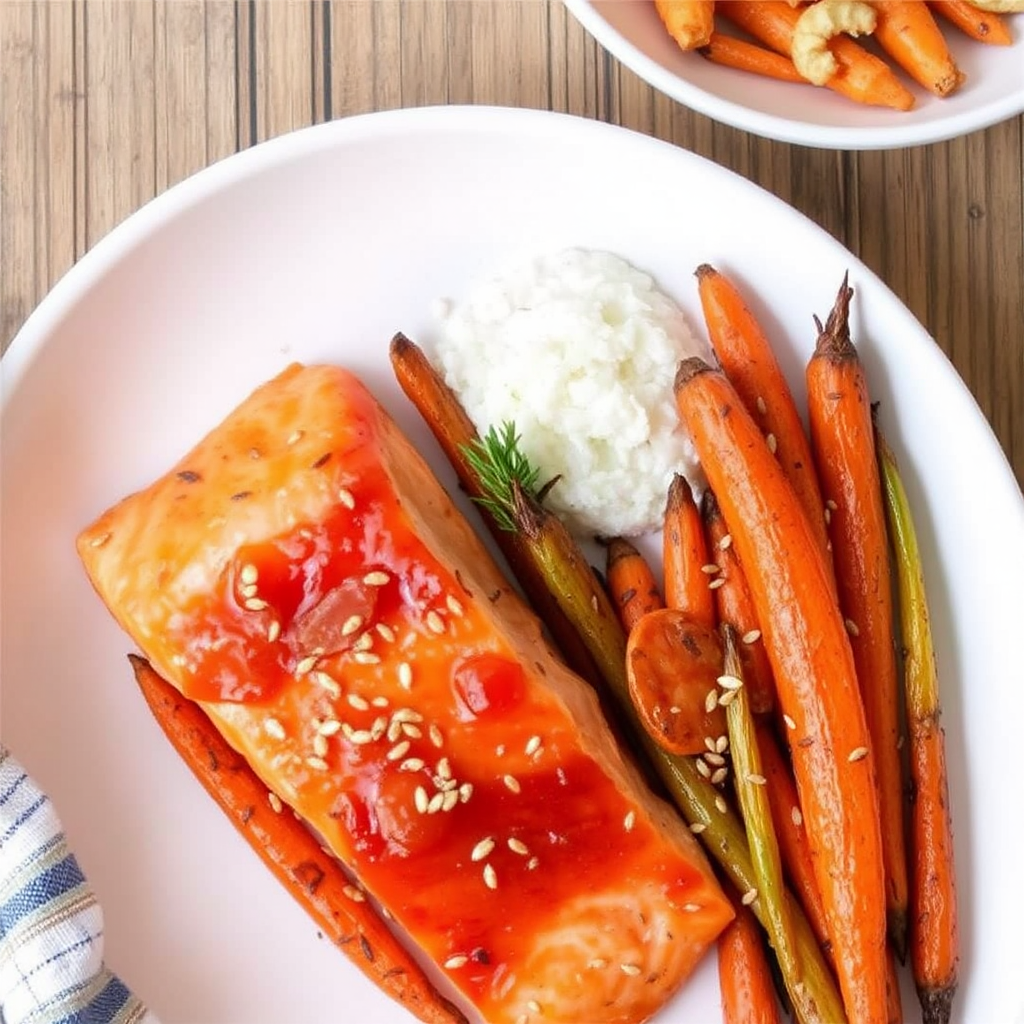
[318, 246]
[632, 31]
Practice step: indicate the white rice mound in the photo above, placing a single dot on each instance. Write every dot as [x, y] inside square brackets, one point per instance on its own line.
[579, 350]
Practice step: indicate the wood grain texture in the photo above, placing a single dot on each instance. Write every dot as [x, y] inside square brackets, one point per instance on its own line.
[105, 103]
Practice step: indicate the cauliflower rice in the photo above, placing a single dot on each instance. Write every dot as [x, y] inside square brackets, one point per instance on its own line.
[579, 349]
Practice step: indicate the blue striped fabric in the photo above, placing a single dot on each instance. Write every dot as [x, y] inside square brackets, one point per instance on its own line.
[51, 926]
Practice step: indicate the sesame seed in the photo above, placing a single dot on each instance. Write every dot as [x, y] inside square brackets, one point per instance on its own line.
[249, 590]
[499, 750]
[376, 579]
[518, 846]
[730, 682]
[465, 791]
[532, 745]
[359, 703]
[421, 799]
[899, 742]
[523, 1019]
[533, 1006]
[360, 737]
[722, 744]
[406, 715]
[718, 581]
[711, 569]
[796, 816]
[435, 803]
[675, 710]
[715, 759]
[629, 821]
[709, 744]
[511, 783]
[691, 908]
[702, 767]
[394, 731]
[772, 443]
[380, 702]
[273, 631]
[324, 681]
[306, 665]
[453, 963]
[398, 751]
[748, 897]
[319, 745]
[490, 877]
[482, 849]
[451, 798]
[317, 763]
[719, 775]
[330, 727]
[790, 724]
[275, 802]
[351, 625]
[272, 727]
[405, 675]
[444, 768]
[754, 779]
[364, 642]
[249, 574]
[593, 602]
[385, 632]
[98, 542]
[454, 605]
[353, 893]
[697, 827]
[597, 964]
[435, 735]
[345, 497]
[725, 543]
[631, 969]
[761, 407]
[379, 727]
[412, 764]
[255, 604]
[711, 701]
[752, 636]
[827, 515]
[851, 627]
[366, 658]
[435, 623]
[727, 698]
[412, 730]
[721, 805]
[858, 755]
[294, 437]
[531, 864]
[831, 505]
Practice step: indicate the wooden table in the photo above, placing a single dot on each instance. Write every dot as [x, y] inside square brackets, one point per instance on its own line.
[104, 103]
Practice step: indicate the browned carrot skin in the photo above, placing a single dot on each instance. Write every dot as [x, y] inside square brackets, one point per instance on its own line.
[934, 913]
[454, 432]
[982, 26]
[906, 30]
[314, 878]
[631, 582]
[746, 356]
[687, 583]
[815, 676]
[736, 53]
[736, 607]
[842, 437]
[745, 978]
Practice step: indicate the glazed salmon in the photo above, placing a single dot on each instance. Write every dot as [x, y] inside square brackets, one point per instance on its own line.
[303, 576]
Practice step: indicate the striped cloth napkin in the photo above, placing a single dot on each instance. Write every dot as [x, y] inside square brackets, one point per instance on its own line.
[51, 926]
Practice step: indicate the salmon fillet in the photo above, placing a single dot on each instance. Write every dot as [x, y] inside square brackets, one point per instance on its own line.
[303, 576]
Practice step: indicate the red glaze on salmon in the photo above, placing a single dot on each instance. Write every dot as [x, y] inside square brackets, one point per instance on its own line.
[302, 574]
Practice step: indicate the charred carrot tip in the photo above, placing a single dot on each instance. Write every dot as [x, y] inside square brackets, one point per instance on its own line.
[705, 268]
[897, 928]
[619, 548]
[936, 1004]
[679, 491]
[709, 505]
[689, 368]
[400, 344]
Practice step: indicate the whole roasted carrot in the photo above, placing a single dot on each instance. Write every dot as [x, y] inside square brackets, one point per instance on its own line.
[689, 22]
[907, 31]
[983, 26]
[630, 581]
[861, 76]
[743, 56]
[842, 437]
[315, 879]
[815, 676]
[689, 583]
[934, 919]
[745, 978]
[746, 356]
[736, 607]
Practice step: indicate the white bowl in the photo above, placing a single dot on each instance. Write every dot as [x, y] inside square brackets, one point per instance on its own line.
[319, 246]
[632, 31]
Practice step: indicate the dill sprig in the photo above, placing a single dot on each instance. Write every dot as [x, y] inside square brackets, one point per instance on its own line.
[497, 461]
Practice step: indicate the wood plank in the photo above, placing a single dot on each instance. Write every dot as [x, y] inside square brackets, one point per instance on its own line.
[284, 66]
[424, 52]
[365, 51]
[221, 79]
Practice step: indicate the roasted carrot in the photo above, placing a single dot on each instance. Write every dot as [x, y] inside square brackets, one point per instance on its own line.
[743, 56]
[907, 31]
[745, 978]
[983, 26]
[746, 356]
[630, 581]
[736, 607]
[314, 878]
[815, 676]
[688, 569]
[842, 438]
[861, 76]
[689, 22]
[934, 920]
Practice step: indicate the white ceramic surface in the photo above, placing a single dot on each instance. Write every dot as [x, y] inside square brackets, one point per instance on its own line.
[632, 31]
[318, 246]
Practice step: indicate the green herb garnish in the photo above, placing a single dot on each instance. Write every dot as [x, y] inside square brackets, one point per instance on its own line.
[497, 460]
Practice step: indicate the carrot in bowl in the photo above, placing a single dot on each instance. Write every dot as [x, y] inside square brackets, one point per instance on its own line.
[689, 22]
[982, 26]
[907, 31]
[743, 56]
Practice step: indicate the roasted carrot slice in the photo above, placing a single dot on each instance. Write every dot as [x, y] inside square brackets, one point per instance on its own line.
[815, 676]
[842, 437]
[743, 56]
[744, 975]
[736, 607]
[746, 356]
[689, 22]
[631, 582]
[983, 26]
[291, 852]
[689, 584]
[907, 31]
[673, 664]
[934, 918]
[861, 76]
